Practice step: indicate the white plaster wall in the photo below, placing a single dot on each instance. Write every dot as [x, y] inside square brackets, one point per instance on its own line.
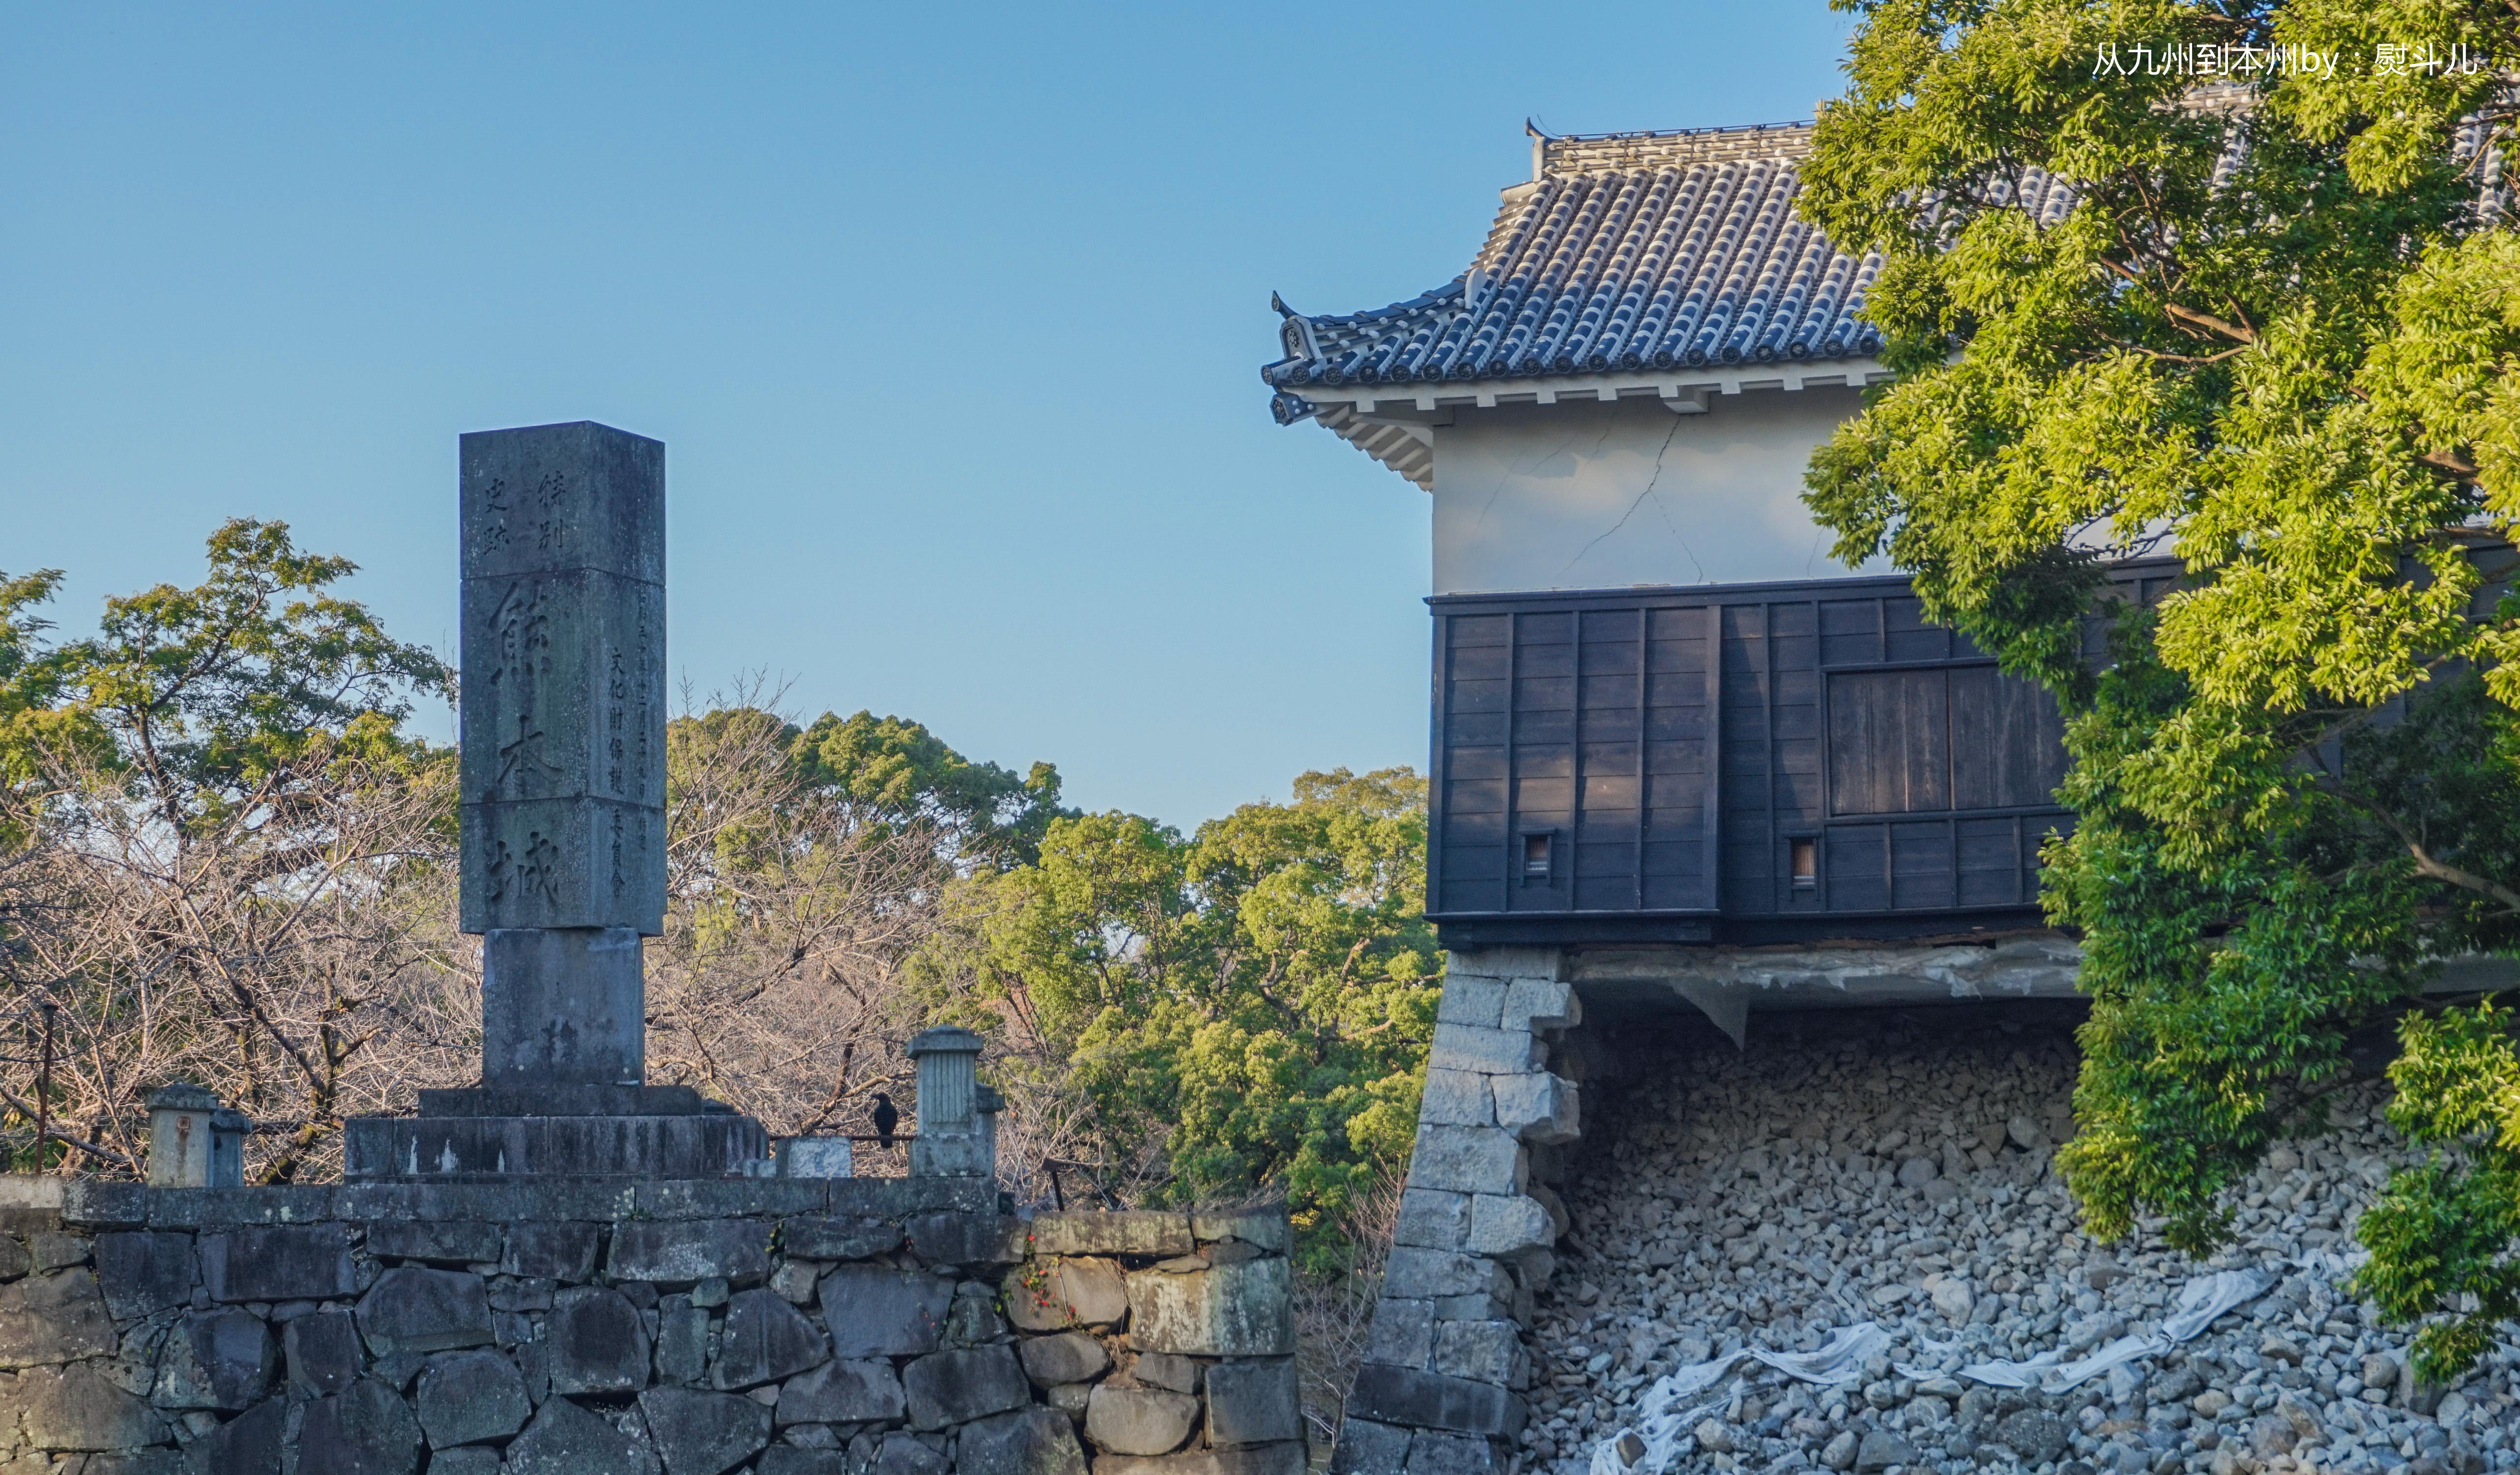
[1586, 495]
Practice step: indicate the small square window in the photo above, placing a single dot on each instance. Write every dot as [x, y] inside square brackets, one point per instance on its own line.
[1805, 860]
[1534, 857]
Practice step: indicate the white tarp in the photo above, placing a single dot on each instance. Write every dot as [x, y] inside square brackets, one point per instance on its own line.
[2200, 1301]
[1662, 1421]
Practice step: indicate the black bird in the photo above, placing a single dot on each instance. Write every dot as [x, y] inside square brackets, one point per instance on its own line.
[886, 1117]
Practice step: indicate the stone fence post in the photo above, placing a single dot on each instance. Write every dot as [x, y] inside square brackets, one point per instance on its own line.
[950, 1140]
[195, 1143]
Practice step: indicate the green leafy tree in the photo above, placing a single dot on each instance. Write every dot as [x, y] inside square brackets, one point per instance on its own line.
[2272, 334]
[229, 863]
[1242, 1008]
[893, 771]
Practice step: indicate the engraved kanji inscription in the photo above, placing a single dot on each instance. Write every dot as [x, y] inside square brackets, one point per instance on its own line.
[564, 671]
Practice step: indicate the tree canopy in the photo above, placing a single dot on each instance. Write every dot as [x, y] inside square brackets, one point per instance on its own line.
[2273, 335]
[1244, 1007]
[226, 856]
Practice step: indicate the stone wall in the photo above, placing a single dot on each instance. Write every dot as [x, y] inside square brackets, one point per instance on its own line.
[1890, 1165]
[779, 1327]
[1441, 1389]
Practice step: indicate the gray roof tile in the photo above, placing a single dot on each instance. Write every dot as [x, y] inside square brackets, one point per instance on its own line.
[1630, 252]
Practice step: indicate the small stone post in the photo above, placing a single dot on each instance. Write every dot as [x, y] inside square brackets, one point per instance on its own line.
[950, 1142]
[991, 1103]
[195, 1143]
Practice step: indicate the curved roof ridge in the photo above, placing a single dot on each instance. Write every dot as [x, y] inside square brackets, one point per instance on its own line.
[1660, 248]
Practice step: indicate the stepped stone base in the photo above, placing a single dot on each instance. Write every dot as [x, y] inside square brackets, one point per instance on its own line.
[577, 1130]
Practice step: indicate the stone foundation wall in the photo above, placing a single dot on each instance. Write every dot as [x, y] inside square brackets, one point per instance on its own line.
[777, 1327]
[1444, 1368]
[1896, 1166]
[1891, 1165]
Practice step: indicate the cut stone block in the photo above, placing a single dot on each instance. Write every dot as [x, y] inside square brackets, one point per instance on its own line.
[961, 1239]
[947, 1388]
[1071, 1357]
[682, 1252]
[141, 1274]
[1491, 1052]
[1137, 1231]
[1538, 1107]
[1139, 1420]
[1403, 1334]
[852, 1391]
[699, 1433]
[563, 1252]
[49, 1250]
[468, 1397]
[1254, 1401]
[1366, 1447]
[874, 1311]
[682, 1341]
[1484, 1351]
[788, 1459]
[1426, 1275]
[596, 1342]
[1032, 1441]
[368, 1429]
[1434, 1453]
[1047, 1296]
[839, 1238]
[1457, 1098]
[414, 1309]
[53, 1319]
[222, 1358]
[248, 1444]
[954, 1388]
[1540, 1003]
[1266, 1227]
[1540, 965]
[438, 1242]
[765, 1339]
[1436, 1219]
[76, 1408]
[1242, 1309]
[1508, 1225]
[1471, 1000]
[291, 1263]
[1468, 1160]
[1432, 1400]
[1255, 1459]
[1165, 1369]
[323, 1350]
[907, 1454]
[566, 1439]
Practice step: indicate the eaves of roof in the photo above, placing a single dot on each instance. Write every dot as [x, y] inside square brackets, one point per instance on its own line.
[1627, 253]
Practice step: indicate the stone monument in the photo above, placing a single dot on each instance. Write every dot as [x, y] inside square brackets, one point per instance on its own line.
[563, 714]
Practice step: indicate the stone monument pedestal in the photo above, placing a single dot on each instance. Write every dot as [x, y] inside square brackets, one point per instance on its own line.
[564, 827]
[557, 1131]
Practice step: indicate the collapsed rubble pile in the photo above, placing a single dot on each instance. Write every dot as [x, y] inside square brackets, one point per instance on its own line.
[1897, 1170]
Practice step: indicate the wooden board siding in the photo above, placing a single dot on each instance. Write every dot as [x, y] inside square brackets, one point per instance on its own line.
[1671, 747]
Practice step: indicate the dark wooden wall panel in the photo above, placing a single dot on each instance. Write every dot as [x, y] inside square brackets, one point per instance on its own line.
[1674, 745]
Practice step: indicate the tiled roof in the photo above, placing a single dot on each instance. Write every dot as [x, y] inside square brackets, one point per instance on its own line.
[1629, 252]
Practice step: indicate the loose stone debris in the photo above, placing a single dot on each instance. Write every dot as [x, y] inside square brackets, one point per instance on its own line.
[1887, 1195]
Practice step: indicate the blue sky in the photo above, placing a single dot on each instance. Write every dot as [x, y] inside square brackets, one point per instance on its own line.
[949, 317]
